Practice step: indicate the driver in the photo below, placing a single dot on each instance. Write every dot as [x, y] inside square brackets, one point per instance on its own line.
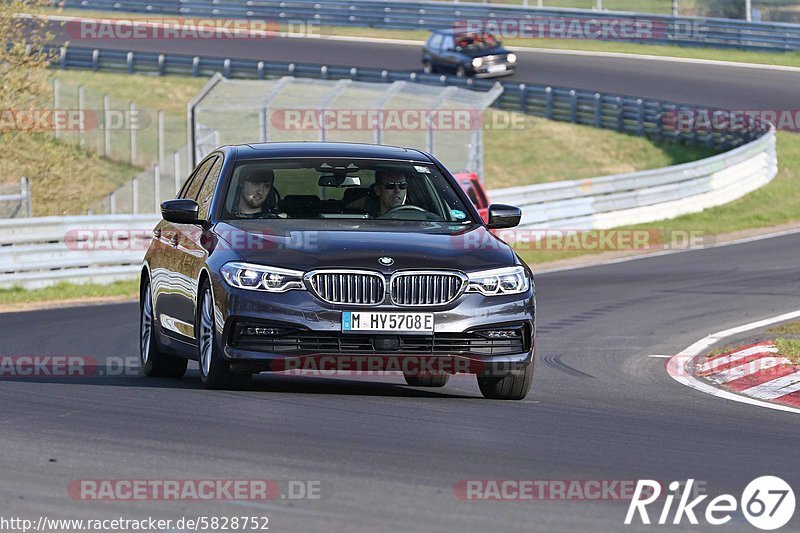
[258, 197]
[390, 188]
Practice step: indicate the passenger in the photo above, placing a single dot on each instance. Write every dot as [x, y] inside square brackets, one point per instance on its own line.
[258, 197]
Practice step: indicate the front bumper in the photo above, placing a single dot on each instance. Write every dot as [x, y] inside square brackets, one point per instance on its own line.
[486, 71]
[303, 328]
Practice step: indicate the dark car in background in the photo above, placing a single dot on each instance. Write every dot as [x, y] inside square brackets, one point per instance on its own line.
[277, 254]
[462, 53]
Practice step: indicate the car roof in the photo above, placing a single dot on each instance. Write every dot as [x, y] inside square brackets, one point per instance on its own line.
[328, 149]
[460, 31]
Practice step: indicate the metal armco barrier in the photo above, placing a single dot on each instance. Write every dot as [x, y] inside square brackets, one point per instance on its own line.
[629, 114]
[685, 31]
[43, 251]
[638, 197]
[36, 252]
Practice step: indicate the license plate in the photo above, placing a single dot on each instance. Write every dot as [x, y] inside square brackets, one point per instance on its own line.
[496, 68]
[358, 321]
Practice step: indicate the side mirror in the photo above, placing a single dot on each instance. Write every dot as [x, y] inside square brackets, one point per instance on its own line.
[503, 216]
[180, 211]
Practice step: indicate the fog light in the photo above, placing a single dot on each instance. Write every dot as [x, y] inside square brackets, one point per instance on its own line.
[261, 331]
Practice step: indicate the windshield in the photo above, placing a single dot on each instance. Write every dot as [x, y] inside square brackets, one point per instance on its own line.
[342, 189]
[475, 41]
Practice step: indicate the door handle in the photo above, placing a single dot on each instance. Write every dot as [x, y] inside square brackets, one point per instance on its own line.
[157, 234]
[174, 241]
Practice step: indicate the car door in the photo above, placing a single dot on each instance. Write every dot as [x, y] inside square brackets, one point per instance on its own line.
[433, 51]
[192, 249]
[171, 286]
[450, 57]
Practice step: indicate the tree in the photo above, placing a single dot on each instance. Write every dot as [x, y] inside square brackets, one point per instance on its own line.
[24, 59]
[730, 9]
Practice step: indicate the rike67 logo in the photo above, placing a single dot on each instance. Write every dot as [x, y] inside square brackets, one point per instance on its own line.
[767, 503]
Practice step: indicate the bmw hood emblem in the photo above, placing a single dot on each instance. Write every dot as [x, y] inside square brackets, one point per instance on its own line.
[386, 261]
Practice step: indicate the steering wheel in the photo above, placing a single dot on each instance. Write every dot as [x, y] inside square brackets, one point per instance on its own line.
[405, 207]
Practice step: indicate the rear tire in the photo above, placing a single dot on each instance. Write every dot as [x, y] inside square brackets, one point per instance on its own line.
[154, 363]
[215, 371]
[427, 379]
[514, 386]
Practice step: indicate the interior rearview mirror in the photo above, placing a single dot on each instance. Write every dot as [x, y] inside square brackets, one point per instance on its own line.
[339, 181]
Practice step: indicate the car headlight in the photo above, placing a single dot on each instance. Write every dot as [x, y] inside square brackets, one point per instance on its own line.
[512, 280]
[511, 58]
[477, 62]
[261, 278]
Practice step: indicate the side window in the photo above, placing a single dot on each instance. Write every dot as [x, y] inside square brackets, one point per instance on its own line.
[206, 194]
[196, 180]
[435, 42]
[448, 44]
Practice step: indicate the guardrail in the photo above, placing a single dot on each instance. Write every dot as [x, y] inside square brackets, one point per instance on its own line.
[685, 31]
[634, 198]
[43, 251]
[36, 252]
[629, 114]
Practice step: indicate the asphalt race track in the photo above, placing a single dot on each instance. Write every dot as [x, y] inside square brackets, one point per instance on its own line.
[723, 86]
[386, 455]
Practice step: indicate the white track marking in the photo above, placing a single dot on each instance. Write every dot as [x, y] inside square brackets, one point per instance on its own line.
[678, 367]
[748, 369]
[736, 356]
[775, 388]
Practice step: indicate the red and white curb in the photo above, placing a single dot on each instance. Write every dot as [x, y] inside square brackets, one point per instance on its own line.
[754, 374]
[756, 371]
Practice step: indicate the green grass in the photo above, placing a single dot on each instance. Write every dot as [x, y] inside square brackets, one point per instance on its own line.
[543, 150]
[789, 348]
[65, 180]
[68, 291]
[790, 59]
[774, 204]
[716, 352]
[788, 328]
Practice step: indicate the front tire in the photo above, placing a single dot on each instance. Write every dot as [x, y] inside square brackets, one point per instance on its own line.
[427, 379]
[428, 68]
[215, 372]
[154, 363]
[461, 72]
[513, 386]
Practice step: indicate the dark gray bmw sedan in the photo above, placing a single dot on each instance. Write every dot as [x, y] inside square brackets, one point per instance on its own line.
[334, 258]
